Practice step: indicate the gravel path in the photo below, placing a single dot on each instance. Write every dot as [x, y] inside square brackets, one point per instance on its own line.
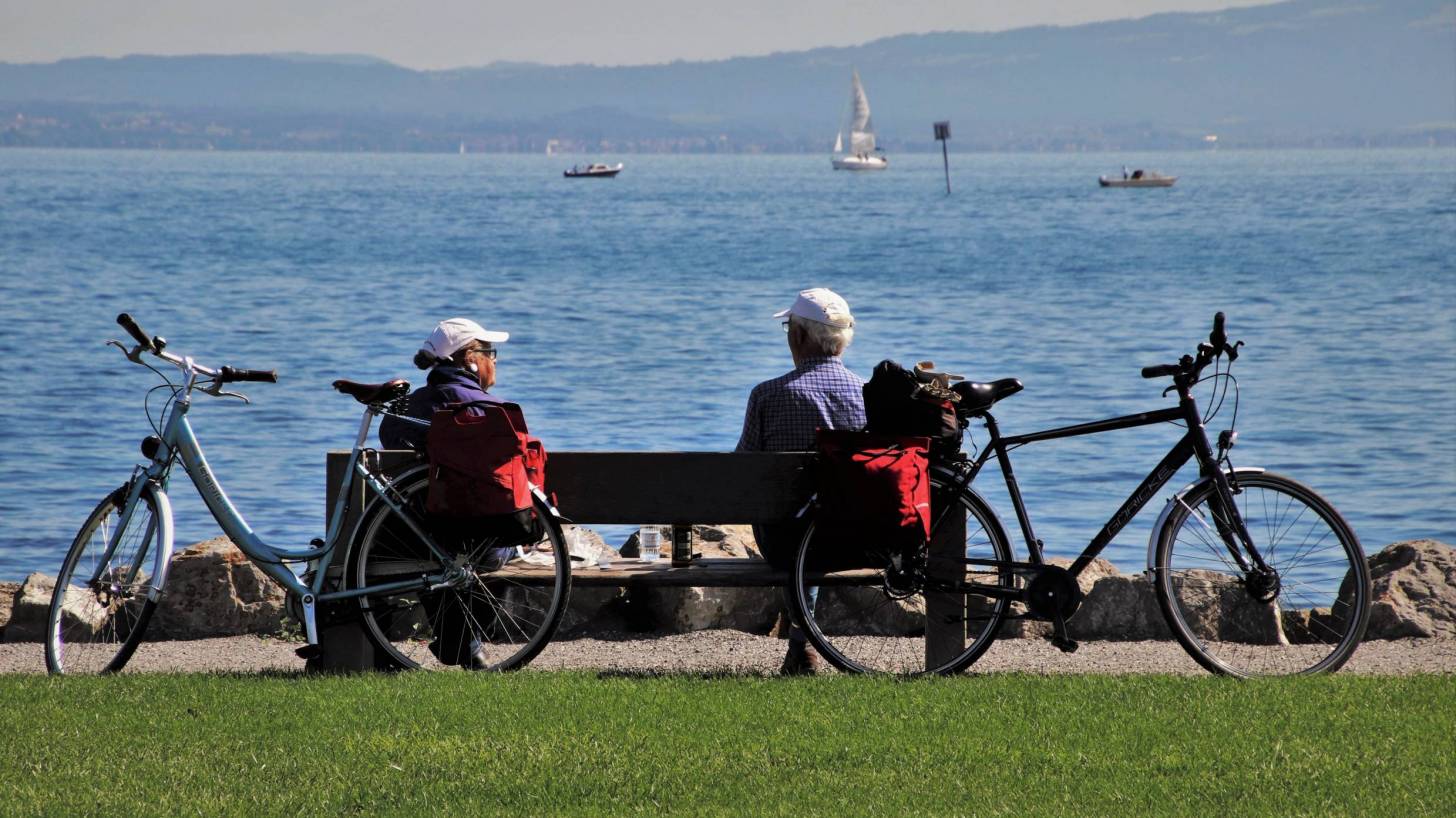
[724, 651]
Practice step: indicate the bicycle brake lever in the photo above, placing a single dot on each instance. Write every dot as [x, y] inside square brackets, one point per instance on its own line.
[1233, 350]
[217, 391]
[134, 355]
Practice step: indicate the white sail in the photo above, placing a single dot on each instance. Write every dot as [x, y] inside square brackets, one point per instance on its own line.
[862, 154]
[861, 130]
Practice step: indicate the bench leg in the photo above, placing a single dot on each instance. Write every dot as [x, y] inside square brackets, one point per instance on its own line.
[346, 649]
[945, 626]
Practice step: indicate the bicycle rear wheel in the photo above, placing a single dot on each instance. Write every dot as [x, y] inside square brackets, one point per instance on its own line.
[100, 607]
[1307, 617]
[503, 615]
[881, 617]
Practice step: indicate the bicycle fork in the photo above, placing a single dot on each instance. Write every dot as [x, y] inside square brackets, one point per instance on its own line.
[1261, 580]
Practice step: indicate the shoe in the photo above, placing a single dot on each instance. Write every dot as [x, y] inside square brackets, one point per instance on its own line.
[476, 660]
[781, 626]
[799, 660]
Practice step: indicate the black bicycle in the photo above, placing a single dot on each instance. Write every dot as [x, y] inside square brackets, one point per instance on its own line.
[1256, 574]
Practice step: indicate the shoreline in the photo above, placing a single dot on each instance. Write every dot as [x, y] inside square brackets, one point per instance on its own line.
[730, 652]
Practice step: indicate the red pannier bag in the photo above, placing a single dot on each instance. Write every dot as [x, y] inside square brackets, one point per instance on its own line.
[481, 470]
[533, 450]
[874, 497]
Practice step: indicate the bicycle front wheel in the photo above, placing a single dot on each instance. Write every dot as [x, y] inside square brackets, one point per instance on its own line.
[486, 615]
[1306, 616]
[882, 614]
[100, 607]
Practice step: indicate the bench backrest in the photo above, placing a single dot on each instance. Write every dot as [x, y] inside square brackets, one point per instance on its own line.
[653, 487]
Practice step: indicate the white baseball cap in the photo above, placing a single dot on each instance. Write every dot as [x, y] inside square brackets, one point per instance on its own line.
[453, 333]
[822, 305]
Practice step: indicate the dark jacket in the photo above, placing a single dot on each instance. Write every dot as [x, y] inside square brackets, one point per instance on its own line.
[445, 384]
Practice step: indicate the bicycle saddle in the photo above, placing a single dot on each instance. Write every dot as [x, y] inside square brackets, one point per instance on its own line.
[978, 397]
[374, 392]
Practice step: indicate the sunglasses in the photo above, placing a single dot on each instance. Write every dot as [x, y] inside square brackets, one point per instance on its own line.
[489, 352]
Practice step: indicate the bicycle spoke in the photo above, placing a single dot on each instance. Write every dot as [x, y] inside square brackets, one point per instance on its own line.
[508, 618]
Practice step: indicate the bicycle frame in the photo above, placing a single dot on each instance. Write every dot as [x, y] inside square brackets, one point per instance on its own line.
[179, 442]
[1193, 445]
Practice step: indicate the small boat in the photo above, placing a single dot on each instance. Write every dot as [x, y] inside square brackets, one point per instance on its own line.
[862, 155]
[1138, 178]
[594, 170]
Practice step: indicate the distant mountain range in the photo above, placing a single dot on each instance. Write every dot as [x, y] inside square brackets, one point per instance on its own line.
[1307, 72]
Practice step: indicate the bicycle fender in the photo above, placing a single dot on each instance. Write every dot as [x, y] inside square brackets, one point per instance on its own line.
[1172, 503]
[164, 540]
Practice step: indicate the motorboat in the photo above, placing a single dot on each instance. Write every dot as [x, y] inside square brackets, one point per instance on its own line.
[862, 153]
[1138, 178]
[594, 170]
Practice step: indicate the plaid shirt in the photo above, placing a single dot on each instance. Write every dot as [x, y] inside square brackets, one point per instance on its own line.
[784, 412]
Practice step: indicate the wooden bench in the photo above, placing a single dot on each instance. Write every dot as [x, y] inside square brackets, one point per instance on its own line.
[677, 489]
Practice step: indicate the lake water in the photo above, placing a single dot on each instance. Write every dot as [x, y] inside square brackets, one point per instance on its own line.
[639, 311]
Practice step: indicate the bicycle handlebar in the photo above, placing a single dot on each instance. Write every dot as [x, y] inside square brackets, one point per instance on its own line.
[1207, 352]
[221, 375]
[1160, 371]
[228, 375]
[130, 325]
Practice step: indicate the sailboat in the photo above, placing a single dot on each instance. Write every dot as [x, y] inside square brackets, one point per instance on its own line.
[862, 154]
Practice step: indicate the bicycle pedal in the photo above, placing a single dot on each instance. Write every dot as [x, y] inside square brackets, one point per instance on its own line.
[309, 652]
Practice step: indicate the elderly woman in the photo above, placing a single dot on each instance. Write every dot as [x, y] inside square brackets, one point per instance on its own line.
[460, 355]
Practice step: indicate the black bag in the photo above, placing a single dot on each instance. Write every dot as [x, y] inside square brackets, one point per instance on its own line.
[899, 403]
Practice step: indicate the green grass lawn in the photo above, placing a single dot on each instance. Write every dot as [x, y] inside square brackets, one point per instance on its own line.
[535, 743]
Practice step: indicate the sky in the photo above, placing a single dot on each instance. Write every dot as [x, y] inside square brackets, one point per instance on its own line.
[435, 34]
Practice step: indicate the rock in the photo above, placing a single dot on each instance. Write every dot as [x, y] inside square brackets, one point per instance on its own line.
[725, 542]
[587, 608]
[32, 609]
[8, 592]
[30, 606]
[837, 611]
[1414, 590]
[1217, 607]
[214, 590]
[1120, 606]
[684, 610]
[1087, 581]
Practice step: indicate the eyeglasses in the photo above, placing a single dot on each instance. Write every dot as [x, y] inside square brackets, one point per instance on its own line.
[489, 352]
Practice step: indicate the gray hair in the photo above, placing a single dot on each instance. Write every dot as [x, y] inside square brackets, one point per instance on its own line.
[822, 338]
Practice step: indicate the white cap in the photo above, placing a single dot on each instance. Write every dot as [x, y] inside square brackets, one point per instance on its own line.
[822, 305]
[452, 334]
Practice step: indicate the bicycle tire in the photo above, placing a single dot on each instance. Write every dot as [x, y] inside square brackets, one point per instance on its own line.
[880, 629]
[1318, 608]
[94, 626]
[510, 618]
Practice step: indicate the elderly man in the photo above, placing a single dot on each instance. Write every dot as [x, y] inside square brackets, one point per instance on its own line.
[783, 414]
